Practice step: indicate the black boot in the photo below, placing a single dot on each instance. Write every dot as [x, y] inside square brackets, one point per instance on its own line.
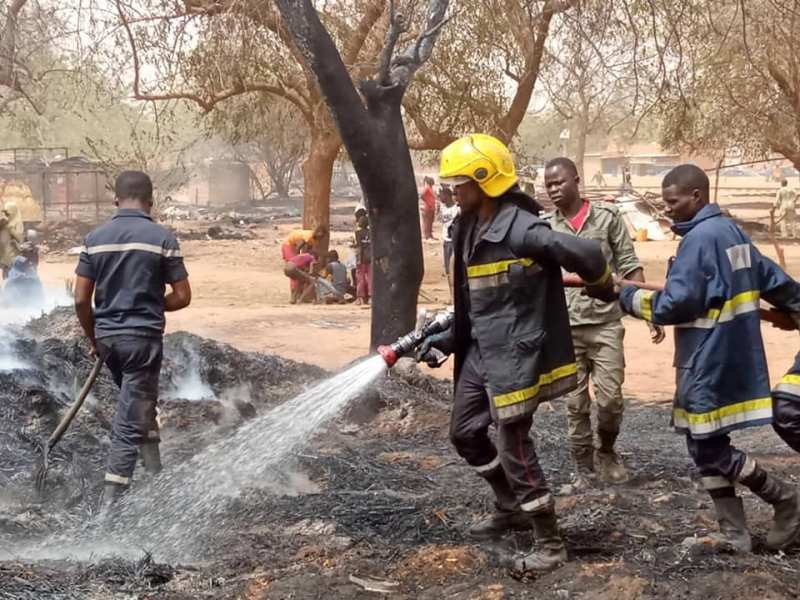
[111, 494]
[151, 457]
[507, 516]
[550, 550]
[733, 533]
[784, 499]
[607, 462]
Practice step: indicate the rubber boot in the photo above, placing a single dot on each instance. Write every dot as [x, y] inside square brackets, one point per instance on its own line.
[550, 550]
[733, 533]
[784, 500]
[507, 516]
[151, 457]
[111, 494]
[607, 462]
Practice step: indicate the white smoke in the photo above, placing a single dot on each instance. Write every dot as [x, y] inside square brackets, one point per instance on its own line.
[189, 384]
[14, 317]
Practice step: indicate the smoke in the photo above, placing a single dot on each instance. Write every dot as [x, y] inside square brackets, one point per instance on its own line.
[189, 384]
[17, 315]
[14, 317]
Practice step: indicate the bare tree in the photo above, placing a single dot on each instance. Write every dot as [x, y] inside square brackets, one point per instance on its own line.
[371, 127]
[208, 51]
[735, 76]
[29, 54]
[266, 131]
[588, 75]
[486, 79]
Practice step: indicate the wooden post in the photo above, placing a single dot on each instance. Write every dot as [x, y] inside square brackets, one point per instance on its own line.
[716, 179]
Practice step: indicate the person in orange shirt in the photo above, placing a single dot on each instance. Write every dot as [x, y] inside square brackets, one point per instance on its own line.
[297, 242]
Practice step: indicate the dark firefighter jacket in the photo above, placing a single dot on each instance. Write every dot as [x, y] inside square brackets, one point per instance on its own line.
[509, 299]
[712, 296]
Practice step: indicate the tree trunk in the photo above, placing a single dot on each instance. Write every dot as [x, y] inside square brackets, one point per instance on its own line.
[317, 174]
[397, 264]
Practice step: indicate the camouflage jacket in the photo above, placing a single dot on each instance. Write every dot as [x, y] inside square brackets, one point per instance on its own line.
[603, 224]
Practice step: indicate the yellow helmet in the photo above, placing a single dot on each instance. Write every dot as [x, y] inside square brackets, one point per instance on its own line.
[481, 158]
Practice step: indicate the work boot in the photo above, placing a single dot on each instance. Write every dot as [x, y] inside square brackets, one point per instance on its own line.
[507, 516]
[151, 457]
[550, 550]
[607, 462]
[583, 459]
[111, 494]
[733, 533]
[784, 500]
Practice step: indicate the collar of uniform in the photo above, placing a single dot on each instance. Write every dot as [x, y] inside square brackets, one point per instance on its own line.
[131, 212]
[557, 216]
[709, 211]
[501, 223]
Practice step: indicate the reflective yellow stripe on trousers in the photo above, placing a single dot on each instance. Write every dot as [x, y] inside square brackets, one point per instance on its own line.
[725, 416]
[789, 384]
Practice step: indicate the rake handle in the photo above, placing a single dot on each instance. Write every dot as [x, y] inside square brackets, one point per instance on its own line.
[779, 319]
[76, 406]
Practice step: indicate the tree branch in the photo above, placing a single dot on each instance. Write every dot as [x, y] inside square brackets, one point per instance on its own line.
[397, 26]
[406, 64]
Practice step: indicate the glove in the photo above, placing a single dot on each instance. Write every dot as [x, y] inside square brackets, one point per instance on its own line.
[435, 349]
[606, 292]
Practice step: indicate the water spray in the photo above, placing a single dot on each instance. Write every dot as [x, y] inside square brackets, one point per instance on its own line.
[411, 341]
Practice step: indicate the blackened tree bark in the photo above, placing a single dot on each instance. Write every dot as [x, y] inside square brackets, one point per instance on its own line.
[372, 130]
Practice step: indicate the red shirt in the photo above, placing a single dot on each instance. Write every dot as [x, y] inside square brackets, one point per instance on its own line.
[429, 199]
[580, 217]
[302, 261]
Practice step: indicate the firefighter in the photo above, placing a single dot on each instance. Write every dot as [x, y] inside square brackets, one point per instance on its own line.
[597, 330]
[712, 295]
[510, 337]
[127, 264]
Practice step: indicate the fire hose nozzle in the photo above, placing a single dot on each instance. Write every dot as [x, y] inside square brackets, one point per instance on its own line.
[411, 341]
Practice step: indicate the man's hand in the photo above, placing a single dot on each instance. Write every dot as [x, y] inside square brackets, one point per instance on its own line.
[657, 333]
[607, 292]
[435, 349]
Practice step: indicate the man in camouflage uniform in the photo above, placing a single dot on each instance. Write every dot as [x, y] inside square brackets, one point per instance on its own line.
[597, 330]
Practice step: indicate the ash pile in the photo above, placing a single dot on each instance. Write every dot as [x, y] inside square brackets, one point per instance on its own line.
[376, 500]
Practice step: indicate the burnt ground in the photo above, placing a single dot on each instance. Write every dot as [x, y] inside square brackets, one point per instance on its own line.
[389, 503]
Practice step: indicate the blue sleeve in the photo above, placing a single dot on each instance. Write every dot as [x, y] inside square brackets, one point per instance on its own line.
[85, 267]
[172, 261]
[693, 287]
[775, 285]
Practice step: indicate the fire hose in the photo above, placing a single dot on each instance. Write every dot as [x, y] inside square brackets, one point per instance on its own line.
[441, 321]
[779, 319]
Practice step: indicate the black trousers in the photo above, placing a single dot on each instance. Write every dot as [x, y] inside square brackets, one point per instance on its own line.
[718, 461]
[135, 363]
[515, 451]
[786, 413]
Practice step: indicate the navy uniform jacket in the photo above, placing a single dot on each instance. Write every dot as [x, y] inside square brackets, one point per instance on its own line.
[712, 296]
[130, 259]
[509, 299]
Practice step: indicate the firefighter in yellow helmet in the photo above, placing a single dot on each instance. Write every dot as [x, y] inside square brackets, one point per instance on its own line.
[511, 335]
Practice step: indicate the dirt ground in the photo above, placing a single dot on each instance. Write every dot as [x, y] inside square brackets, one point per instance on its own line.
[389, 501]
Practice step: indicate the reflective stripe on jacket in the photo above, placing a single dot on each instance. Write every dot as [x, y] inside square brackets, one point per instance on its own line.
[712, 295]
[509, 299]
